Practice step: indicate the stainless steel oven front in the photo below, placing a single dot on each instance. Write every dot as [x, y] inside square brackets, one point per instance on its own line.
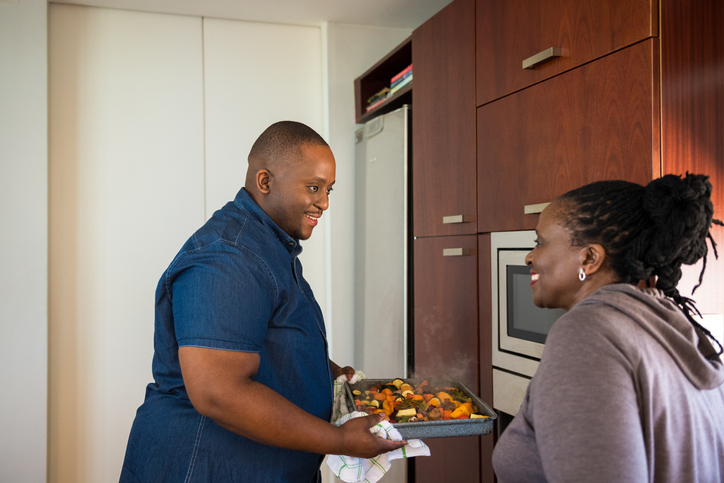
[519, 327]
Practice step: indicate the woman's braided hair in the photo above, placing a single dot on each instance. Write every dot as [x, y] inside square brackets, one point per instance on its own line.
[646, 231]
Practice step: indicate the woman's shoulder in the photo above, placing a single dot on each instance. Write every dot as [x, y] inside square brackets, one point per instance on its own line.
[620, 301]
[603, 317]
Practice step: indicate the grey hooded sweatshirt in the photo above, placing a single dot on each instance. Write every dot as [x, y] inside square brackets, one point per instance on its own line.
[623, 393]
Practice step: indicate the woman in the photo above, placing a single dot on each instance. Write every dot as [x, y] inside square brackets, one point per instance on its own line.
[629, 387]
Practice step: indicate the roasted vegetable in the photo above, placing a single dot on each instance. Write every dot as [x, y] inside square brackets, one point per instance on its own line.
[401, 402]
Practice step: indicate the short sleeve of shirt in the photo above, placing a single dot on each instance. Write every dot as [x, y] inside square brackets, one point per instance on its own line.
[223, 298]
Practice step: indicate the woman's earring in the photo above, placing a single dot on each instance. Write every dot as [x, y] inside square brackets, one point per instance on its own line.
[581, 274]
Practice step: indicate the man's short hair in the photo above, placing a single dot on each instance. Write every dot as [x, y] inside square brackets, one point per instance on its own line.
[282, 140]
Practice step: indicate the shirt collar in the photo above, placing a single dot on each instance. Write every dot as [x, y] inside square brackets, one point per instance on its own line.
[244, 202]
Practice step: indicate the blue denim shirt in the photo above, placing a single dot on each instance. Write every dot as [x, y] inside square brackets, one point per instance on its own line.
[235, 285]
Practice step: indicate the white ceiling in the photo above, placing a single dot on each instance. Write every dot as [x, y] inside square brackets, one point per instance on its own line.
[385, 13]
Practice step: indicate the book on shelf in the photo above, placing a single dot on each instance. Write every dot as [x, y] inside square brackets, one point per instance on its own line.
[401, 79]
[402, 73]
[372, 106]
[382, 94]
[402, 84]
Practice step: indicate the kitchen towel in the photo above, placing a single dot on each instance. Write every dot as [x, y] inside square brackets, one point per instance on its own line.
[355, 470]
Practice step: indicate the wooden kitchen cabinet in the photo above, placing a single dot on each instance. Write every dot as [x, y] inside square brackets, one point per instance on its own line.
[508, 32]
[485, 333]
[692, 118]
[620, 103]
[599, 121]
[443, 120]
[445, 343]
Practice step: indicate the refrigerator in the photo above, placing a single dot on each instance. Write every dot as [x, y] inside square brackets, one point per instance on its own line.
[382, 245]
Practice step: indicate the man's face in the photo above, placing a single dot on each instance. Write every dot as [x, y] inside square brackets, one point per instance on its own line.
[299, 191]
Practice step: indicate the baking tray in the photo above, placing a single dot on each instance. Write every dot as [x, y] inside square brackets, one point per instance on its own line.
[434, 429]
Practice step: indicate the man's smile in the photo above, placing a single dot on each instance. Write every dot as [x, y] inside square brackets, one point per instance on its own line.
[313, 219]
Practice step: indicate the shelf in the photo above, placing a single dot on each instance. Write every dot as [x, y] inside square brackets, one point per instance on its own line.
[397, 100]
[378, 77]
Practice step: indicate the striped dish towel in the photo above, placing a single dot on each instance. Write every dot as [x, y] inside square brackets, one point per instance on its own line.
[355, 470]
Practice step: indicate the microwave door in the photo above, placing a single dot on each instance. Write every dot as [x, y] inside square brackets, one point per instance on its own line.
[522, 327]
[512, 303]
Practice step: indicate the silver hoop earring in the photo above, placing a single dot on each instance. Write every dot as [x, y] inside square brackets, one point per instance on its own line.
[581, 274]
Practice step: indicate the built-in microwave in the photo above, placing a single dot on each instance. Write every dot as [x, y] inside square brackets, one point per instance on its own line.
[519, 327]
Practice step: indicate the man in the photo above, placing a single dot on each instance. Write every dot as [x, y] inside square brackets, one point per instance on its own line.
[243, 380]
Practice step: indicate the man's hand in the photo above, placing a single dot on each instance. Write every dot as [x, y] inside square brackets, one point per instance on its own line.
[338, 371]
[360, 442]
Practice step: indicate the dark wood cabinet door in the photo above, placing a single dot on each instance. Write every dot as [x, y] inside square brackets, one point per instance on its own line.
[446, 342]
[692, 103]
[446, 308]
[510, 31]
[599, 121]
[485, 329]
[443, 122]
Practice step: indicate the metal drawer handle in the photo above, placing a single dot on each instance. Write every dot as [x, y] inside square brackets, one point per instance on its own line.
[446, 220]
[544, 56]
[455, 252]
[531, 209]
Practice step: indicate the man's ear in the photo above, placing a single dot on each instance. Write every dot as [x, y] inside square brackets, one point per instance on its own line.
[592, 258]
[263, 180]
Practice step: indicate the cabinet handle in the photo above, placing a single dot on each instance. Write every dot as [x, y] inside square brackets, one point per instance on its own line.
[531, 209]
[544, 56]
[446, 220]
[455, 252]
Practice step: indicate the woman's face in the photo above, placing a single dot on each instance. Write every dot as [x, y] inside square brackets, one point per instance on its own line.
[554, 263]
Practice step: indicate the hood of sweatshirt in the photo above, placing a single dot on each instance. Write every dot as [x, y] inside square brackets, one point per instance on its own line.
[666, 322]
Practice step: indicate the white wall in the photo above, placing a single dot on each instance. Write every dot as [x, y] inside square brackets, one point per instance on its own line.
[126, 190]
[257, 74]
[24, 240]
